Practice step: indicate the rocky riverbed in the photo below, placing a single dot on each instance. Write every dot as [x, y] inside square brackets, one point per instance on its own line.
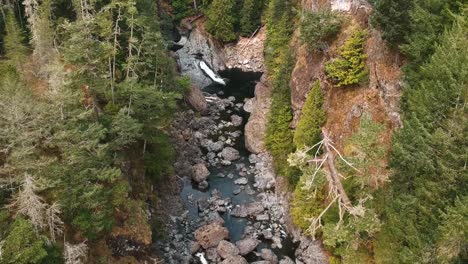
[233, 214]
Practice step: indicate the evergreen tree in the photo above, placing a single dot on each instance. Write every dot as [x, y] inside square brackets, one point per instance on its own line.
[313, 117]
[250, 16]
[429, 154]
[14, 40]
[393, 18]
[350, 68]
[220, 20]
[22, 245]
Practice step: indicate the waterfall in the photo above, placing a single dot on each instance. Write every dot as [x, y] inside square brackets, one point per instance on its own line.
[206, 69]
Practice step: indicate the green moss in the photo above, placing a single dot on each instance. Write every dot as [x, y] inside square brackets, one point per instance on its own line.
[350, 67]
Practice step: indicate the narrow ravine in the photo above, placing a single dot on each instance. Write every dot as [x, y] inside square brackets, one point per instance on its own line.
[231, 209]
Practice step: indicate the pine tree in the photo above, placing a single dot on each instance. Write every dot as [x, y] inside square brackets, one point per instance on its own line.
[393, 18]
[429, 153]
[250, 16]
[220, 20]
[313, 117]
[14, 40]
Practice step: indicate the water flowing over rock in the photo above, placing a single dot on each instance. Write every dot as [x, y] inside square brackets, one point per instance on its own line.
[199, 46]
[210, 235]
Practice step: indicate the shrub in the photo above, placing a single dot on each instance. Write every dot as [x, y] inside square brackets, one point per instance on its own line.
[350, 68]
[313, 117]
[317, 28]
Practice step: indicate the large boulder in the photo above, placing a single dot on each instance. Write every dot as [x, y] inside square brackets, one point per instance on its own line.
[252, 209]
[230, 154]
[200, 173]
[210, 235]
[196, 99]
[227, 249]
[235, 260]
[247, 245]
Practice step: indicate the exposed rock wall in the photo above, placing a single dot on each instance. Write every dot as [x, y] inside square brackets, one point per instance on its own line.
[259, 107]
[247, 53]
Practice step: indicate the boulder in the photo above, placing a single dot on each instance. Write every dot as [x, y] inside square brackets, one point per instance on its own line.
[252, 209]
[268, 255]
[196, 99]
[236, 120]
[286, 260]
[234, 260]
[210, 235]
[247, 245]
[227, 249]
[241, 181]
[230, 154]
[199, 172]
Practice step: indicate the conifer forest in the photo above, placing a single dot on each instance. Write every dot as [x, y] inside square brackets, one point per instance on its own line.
[233, 131]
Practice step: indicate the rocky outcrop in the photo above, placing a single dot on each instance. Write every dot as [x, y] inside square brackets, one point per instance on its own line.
[269, 256]
[196, 99]
[310, 252]
[252, 209]
[210, 235]
[199, 46]
[255, 129]
[247, 53]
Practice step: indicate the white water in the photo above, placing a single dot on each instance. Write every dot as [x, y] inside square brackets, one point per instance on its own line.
[211, 73]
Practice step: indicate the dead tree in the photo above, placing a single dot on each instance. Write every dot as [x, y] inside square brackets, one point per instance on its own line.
[75, 254]
[55, 224]
[29, 204]
[336, 192]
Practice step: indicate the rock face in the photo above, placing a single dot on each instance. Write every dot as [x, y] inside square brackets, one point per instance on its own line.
[200, 172]
[235, 260]
[196, 99]
[247, 245]
[199, 43]
[210, 235]
[255, 129]
[247, 53]
[227, 249]
[230, 154]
